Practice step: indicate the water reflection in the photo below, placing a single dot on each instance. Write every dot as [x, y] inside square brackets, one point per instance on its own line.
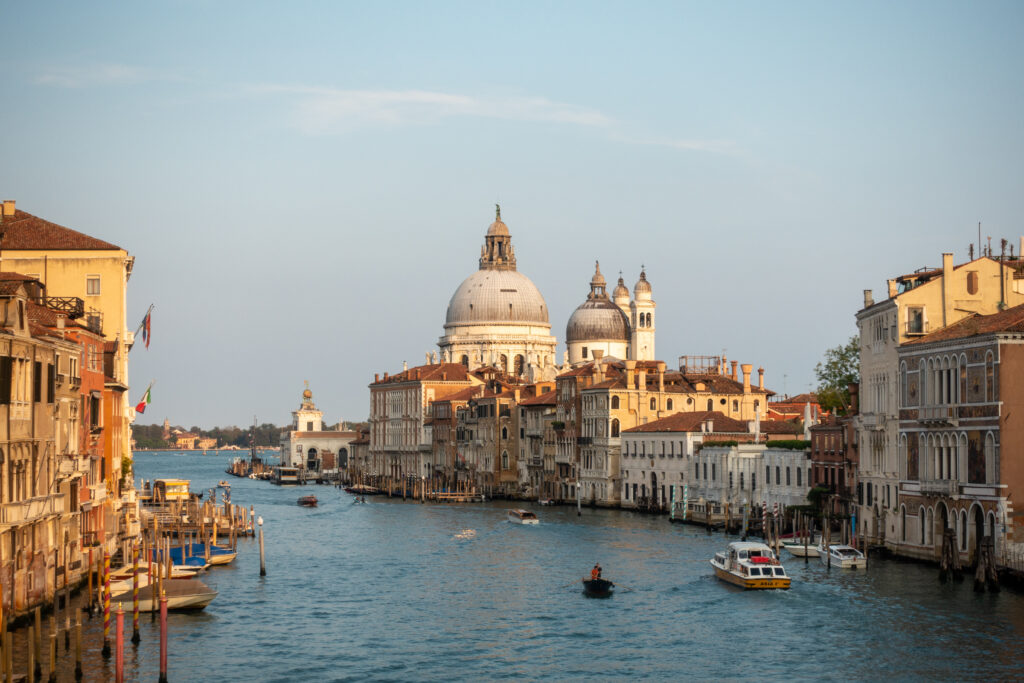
[384, 591]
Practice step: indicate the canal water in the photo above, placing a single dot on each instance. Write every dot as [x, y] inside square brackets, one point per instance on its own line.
[394, 590]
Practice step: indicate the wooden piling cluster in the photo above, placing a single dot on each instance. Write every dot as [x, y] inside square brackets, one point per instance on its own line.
[195, 518]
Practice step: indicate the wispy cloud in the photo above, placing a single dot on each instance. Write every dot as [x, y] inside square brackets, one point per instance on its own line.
[94, 75]
[690, 145]
[327, 110]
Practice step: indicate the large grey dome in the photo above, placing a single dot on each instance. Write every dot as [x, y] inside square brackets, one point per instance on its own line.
[497, 296]
[597, 320]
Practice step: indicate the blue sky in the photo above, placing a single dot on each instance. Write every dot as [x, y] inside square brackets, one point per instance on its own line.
[304, 185]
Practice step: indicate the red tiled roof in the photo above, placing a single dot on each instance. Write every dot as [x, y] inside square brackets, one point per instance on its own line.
[691, 422]
[548, 398]
[464, 395]
[436, 372]
[780, 427]
[24, 231]
[1010, 320]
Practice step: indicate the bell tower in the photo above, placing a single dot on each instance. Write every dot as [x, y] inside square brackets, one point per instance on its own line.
[641, 319]
[497, 252]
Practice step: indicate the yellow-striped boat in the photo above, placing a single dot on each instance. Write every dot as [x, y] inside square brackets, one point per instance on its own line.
[750, 565]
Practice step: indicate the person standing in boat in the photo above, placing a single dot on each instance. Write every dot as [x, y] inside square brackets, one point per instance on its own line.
[595, 573]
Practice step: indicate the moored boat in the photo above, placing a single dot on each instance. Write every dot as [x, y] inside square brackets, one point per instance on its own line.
[522, 517]
[182, 595]
[308, 501]
[286, 476]
[842, 556]
[750, 565]
[797, 548]
[598, 588]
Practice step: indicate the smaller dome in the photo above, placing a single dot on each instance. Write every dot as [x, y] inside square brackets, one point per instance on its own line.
[307, 394]
[642, 290]
[598, 279]
[620, 292]
[497, 227]
[597, 320]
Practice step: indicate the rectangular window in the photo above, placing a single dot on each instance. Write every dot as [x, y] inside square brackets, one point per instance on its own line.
[915, 320]
[712, 471]
[778, 475]
[753, 481]
[92, 285]
[37, 382]
[6, 365]
[51, 383]
[309, 426]
[705, 471]
[798, 470]
[787, 477]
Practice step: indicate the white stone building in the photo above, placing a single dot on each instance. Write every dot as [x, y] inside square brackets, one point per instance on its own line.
[307, 445]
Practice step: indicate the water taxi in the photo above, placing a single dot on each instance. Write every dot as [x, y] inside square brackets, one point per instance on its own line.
[750, 565]
[286, 476]
[308, 501]
[522, 517]
[842, 556]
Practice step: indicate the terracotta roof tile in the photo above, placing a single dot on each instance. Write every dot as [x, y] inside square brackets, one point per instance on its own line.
[1010, 320]
[24, 231]
[436, 372]
[691, 422]
[548, 398]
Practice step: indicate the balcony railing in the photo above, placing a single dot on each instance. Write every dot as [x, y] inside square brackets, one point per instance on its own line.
[939, 487]
[938, 414]
[71, 306]
[25, 510]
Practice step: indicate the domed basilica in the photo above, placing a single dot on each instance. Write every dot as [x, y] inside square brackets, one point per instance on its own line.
[497, 317]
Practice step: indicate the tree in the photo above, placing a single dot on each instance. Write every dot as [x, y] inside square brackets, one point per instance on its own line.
[839, 369]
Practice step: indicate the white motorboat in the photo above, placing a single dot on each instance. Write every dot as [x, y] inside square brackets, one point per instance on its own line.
[796, 547]
[842, 556]
[182, 595]
[750, 565]
[522, 517]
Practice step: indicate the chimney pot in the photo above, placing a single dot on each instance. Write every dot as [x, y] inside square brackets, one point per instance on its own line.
[893, 289]
[735, 363]
[376, 377]
[760, 378]
[868, 300]
[746, 368]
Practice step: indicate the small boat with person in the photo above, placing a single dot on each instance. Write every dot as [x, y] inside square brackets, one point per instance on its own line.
[520, 516]
[598, 588]
[750, 565]
[308, 501]
[842, 556]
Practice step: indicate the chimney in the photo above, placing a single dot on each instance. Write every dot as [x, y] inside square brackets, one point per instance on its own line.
[444, 375]
[760, 378]
[598, 365]
[376, 377]
[893, 289]
[9, 208]
[641, 380]
[630, 367]
[723, 365]
[746, 367]
[947, 289]
[868, 301]
[516, 395]
[385, 377]
[661, 376]
[734, 364]
[405, 366]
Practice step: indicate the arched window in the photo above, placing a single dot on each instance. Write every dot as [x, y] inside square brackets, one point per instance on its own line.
[519, 366]
[920, 524]
[615, 402]
[615, 427]
[504, 460]
[990, 378]
[503, 363]
[504, 432]
[903, 385]
[649, 320]
[963, 530]
[962, 398]
[735, 405]
[465, 360]
[668, 404]
[654, 403]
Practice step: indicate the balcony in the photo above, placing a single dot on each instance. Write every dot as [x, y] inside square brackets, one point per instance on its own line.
[71, 306]
[873, 421]
[939, 415]
[939, 487]
[584, 440]
[33, 508]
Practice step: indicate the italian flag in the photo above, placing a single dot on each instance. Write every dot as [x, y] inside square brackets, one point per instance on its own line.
[146, 400]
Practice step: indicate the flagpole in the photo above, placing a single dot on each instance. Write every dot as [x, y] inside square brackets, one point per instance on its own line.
[143, 323]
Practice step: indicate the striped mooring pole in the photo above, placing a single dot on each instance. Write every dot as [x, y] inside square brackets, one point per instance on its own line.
[135, 593]
[106, 605]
